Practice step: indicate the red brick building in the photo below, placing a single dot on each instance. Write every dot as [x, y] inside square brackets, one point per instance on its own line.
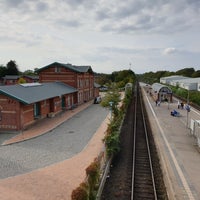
[60, 87]
[23, 104]
[30, 79]
[14, 79]
[10, 79]
[79, 77]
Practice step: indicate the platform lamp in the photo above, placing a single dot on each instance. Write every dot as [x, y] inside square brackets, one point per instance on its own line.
[187, 107]
[111, 104]
[169, 98]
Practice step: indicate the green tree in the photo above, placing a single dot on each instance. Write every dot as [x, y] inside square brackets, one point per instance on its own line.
[12, 68]
[28, 72]
[196, 74]
[21, 80]
[112, 96]
[3, 71]
[186, 72]
[102, 79]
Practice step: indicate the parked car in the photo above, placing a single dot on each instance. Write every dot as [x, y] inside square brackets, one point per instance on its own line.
[97, 100]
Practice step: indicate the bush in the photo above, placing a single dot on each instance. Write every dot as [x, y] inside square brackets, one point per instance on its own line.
[92, 171]
[112, 143]
[111, 139]
[80, 193]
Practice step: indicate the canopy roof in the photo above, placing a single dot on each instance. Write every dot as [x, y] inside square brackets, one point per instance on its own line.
[157, 87]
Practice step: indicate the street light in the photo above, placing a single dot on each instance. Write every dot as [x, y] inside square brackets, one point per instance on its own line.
[187, 107]
[111, 104]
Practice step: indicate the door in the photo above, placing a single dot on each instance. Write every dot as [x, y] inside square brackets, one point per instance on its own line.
[36, 109]
[63, 102]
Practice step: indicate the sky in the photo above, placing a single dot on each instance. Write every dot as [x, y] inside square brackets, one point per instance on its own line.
[108, 35]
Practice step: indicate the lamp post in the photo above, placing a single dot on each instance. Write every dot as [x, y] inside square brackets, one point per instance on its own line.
[111, 104]
[187, 107]
[168, 98]
[168, 102]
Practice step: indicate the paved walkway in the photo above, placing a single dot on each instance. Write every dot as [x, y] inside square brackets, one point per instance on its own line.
[57, 181]
[177, 148]
[45, 125]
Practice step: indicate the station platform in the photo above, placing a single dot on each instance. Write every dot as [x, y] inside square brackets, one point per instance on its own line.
[177, 147]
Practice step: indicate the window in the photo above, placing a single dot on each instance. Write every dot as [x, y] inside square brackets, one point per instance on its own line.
[57, 69]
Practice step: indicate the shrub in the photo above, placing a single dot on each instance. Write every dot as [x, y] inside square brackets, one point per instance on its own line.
[80, 193]
[112, 143]
[93, 169]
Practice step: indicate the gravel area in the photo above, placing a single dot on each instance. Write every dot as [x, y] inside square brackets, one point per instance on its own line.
[57, 145]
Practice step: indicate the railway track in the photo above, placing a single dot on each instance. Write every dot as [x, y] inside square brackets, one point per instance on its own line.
[143, 184]
[135, 172]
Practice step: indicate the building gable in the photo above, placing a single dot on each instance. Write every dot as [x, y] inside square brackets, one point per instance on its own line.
[57, 65]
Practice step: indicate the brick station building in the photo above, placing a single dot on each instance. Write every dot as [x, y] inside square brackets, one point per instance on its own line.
[60, 87]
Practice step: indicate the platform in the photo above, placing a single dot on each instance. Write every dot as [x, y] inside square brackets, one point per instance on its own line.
[177, 147]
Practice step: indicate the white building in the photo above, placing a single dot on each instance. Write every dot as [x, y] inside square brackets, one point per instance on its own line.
[188, 84]
[182, 82]
[169, 79]
[198, 87]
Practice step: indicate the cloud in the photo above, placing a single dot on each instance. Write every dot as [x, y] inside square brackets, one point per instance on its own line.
[110, 16]
[13, 3]
[41, 6]
[169, 50]
[151, 16]
[67, 23]
[102, 32]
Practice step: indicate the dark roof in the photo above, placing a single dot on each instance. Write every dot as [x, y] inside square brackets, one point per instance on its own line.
[75, 68]
[11, 77]
[15, 77]
[32, 77]
[34, 92]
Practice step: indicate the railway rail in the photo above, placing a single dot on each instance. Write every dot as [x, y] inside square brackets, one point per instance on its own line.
[143, 184]
[135, 172]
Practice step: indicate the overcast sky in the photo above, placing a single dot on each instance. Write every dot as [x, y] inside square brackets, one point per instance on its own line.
[108, 35]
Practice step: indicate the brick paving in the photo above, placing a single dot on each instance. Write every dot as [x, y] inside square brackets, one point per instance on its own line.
[45, 125]
[58, 180]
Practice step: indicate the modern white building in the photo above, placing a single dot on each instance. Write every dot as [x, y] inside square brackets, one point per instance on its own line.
[188, 84]
[198, 87]
[182, 81]
[169, 79]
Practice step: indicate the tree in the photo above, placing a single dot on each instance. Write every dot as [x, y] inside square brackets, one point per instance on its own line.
[186, 72]
[21, 80]
[12, 68]
[196, 74]
[3, 71]
[29, 72]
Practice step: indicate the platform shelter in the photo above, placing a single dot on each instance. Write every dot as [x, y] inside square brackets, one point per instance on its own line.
[161, 92]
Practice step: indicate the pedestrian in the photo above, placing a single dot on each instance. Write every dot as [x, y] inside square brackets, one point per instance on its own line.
[178, 104]
[182, 105]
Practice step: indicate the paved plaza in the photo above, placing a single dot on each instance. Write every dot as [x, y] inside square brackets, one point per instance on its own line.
[61, 143]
